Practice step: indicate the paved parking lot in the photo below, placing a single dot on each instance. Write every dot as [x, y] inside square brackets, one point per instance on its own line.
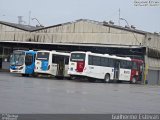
[39, 95]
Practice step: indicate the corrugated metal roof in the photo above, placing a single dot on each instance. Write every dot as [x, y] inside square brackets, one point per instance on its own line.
[19, 26]
[98, 23]
[33, 28]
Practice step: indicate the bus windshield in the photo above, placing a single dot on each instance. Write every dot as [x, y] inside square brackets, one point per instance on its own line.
[17, 59]
[42, 56]
[77, 57]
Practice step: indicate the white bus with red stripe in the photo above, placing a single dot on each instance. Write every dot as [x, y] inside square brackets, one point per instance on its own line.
[104, 67]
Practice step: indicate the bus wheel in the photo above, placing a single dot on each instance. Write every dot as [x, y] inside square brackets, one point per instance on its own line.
[34, 75]
[107, 78]
[23, 75]
[134, 81]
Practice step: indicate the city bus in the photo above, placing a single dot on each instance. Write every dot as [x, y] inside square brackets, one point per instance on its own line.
[52, 63]
[22, 62]
[104, 67]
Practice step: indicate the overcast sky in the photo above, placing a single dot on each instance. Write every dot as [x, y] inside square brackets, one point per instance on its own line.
[51, 12]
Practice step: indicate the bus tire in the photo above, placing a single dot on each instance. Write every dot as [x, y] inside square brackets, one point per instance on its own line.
[23, 75]
[34, 74]
[133, 81]
[107, 78]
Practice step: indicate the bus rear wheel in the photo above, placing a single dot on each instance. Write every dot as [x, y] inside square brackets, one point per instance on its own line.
[107, 78]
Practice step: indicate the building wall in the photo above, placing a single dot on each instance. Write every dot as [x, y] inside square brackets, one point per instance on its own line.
[152, 41]
[8, 33]
[152, 61]
[153, 77]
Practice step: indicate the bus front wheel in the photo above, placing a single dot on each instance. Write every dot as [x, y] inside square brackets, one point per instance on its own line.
[25, 75]
[107, 78]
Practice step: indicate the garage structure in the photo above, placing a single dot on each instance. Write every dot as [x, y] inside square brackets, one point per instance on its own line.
[86, 35]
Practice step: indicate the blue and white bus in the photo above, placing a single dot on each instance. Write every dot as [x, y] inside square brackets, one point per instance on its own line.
[22, 62]
[52, 63]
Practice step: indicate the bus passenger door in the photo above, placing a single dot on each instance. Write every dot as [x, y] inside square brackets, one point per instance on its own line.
[29, 63]
[116, 70]
[60, 65]
[54, 65]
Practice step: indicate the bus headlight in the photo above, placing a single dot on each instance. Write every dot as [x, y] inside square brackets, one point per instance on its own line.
[20, 68]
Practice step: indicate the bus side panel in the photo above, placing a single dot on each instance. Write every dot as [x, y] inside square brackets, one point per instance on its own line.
[38, 66]
[41, 67]
[99, 72]
[44, 65]
[66, 71]
[30, 68]
[124, 74]
[53, 69]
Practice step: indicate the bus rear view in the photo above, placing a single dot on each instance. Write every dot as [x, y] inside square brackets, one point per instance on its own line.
[42, 62]
[52, 63]
[77, 63]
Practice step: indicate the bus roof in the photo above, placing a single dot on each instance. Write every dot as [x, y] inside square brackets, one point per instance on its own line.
[55, 52]
[104, 55]
[60, 53]
[30, 51]
[26, 51]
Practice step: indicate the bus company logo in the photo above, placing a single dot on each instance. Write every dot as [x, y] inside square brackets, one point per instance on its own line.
[146, 3]
[126, 72]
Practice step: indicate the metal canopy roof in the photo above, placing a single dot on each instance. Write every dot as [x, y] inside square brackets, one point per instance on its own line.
[19, 26]
[33, 28]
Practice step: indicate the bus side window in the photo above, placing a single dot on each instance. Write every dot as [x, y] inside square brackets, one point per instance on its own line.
[54, 59]
[103, 61]
[28, 59]
[110, 62]
[96, 60]
[90, 61]
[125, 64]
[66, 60]
[128, 65]
[121, 64]
[107, 62]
